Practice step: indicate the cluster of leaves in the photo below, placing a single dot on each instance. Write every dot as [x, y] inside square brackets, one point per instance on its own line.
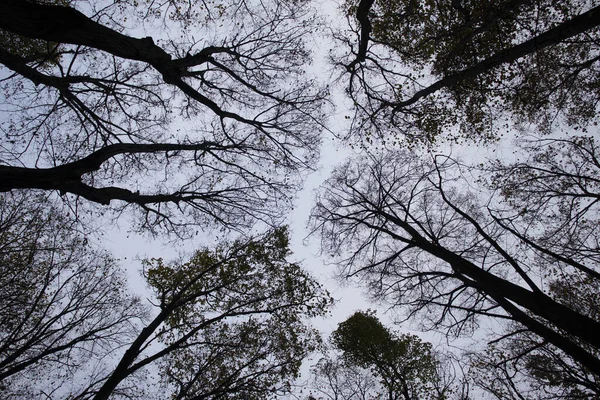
[404, 363]
[377, 363]
[462, 69]
[236, 320]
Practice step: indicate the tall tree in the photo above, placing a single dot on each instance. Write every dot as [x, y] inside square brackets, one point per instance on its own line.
[405, 365]
[421, 239]
[417, 70]
[229, 323]
[64, 306]
[523, 366]
[186, 130]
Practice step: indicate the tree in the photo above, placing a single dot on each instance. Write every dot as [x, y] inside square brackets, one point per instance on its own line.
[555, 191]
[32, 50]
[426, 237]
[64, 307]
[405, 365]
[466, 69]
[187, 131]
[228, 323]
[523, 366]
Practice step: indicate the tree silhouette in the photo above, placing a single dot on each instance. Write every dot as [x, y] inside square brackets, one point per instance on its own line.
[421, 71]
[425, 242]
[404, 363]
[188, 133]
[228, 322]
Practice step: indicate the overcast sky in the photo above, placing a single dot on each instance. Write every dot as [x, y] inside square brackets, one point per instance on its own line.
[131, 247]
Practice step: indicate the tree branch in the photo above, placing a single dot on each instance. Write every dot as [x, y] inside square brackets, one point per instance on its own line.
[67, 25]
[573, 27]
[362, 15]
[67, 178]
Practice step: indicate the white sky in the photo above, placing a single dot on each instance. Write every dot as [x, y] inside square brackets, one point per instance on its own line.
[131, 247]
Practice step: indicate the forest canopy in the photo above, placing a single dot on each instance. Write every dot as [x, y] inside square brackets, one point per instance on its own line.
[199, 122]
[184, 132]
[230, 321]
[424, 71]
[188, 117]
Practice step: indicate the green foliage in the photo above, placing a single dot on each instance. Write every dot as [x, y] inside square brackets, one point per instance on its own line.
[236, 318]
[404, 362]
[365, 341]
[418, 43]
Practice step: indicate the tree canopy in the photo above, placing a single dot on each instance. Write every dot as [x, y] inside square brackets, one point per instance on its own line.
[520, 245]
[451, 243]
[184, 131]
[195, 115]
[190, 115]
[404, 363]
[470, 69]
[368, 361]
[229, 322]
[65, 307]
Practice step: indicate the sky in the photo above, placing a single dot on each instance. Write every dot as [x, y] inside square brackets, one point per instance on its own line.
[131, 247]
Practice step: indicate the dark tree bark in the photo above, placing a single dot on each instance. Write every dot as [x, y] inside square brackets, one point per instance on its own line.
[423, 246]
[98, 114]
[506, 293]
[580, 24]
[421, 74]
[362, 15]
[67, 25]
[68, 178]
